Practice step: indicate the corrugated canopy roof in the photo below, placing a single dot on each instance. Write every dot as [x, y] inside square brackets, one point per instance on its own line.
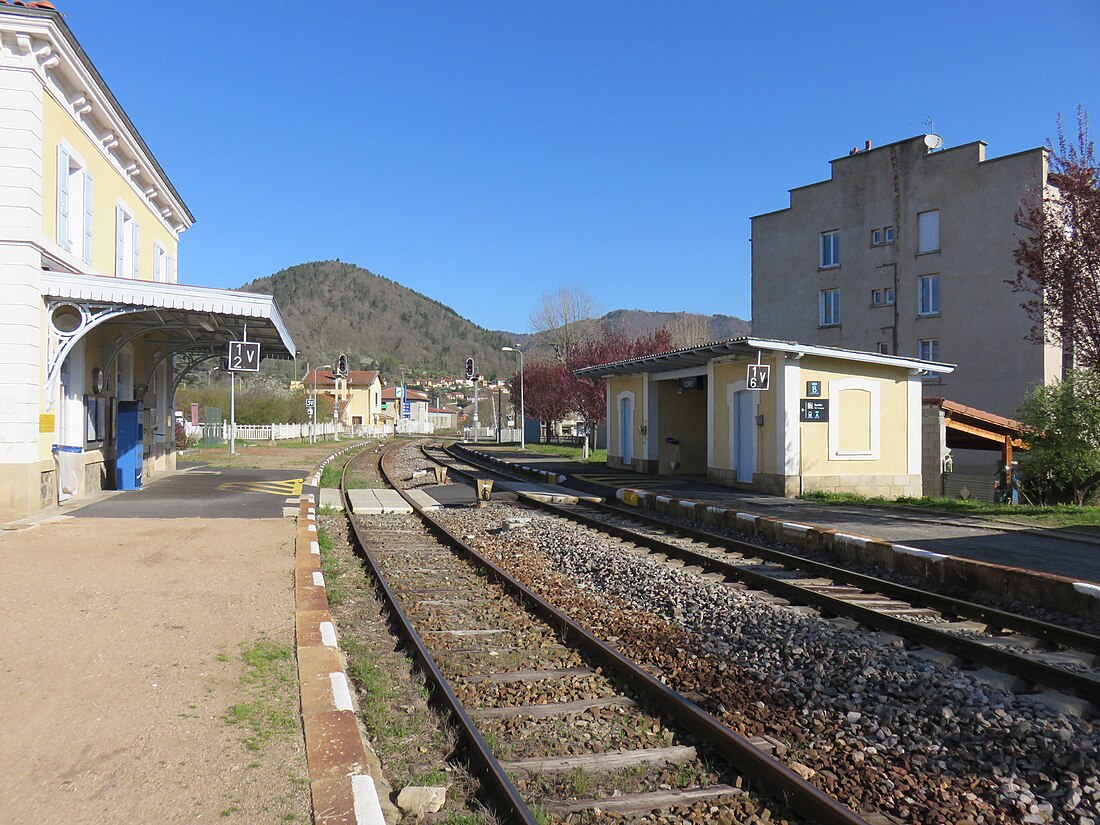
[748, 347]
[179, 314]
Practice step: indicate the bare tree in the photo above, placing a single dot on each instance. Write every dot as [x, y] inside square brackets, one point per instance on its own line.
[1059, 258]
[689, 329]
[565, 317]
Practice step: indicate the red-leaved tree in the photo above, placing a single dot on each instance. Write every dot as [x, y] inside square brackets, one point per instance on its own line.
[1059, 258]
[545, 391]
[552, 391]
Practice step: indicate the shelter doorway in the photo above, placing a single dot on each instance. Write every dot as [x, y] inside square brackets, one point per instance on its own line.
[743, 434]
[626, 429]
[682, 425]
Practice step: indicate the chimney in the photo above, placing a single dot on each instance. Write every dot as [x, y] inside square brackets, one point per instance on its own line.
[867, 145]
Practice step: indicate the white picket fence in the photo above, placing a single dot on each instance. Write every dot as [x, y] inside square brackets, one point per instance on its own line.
[219, 431]
[406, 426]
[507, 435]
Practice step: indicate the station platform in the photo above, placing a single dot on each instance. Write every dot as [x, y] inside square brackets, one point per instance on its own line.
[197, 492]
[126, 617]
[1058, 552]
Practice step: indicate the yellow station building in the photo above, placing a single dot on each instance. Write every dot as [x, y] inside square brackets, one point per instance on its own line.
[829, 419]
[92, 318]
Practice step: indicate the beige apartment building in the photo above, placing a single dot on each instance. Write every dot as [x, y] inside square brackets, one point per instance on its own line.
[905, 251]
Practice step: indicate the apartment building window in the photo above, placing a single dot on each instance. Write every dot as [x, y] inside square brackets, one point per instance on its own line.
[830, 249]
[882, 297]
[928, 231]
[127, 244]
[928, 349]
[880, 237]
[829, 307]
[928, 295]
[74, 205]
[883, 348]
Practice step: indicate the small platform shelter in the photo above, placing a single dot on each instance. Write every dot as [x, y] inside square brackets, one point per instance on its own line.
[967, 451]
[774, 416]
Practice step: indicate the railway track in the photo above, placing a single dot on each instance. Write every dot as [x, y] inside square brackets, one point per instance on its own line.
[511, 667]
[956, 633]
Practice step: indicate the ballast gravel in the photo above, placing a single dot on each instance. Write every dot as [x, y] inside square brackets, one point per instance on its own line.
[882, 729]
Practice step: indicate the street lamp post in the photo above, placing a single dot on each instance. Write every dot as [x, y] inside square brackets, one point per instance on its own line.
[522, 420]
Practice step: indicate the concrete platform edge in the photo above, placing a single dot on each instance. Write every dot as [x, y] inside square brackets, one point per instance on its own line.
[1047, 590]
[1059, 593]
[342, 767]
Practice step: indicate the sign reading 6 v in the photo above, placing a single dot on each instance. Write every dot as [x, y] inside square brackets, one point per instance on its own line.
[758, 377]
[244, 356]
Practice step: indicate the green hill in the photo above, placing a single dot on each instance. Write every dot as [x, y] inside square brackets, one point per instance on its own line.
[332, 307]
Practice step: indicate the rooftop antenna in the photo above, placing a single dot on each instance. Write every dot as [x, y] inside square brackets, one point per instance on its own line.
[931, 139]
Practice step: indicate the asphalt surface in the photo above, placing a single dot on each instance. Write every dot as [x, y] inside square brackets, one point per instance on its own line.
[204, 493]
[1049, 551]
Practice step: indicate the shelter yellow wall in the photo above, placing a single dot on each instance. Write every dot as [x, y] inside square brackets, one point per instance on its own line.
[852, 423]
[109, 187]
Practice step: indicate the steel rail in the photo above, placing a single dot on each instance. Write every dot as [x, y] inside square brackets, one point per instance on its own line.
[1081, 685]
[792, 789]
[510, 805]
[1047, 631]
[949, 605]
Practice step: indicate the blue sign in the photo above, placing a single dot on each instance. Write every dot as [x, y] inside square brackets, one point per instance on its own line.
[406, 409]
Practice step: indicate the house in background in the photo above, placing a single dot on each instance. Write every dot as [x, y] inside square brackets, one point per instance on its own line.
[414, 419]
[357, 396]
[96, 331]
[905, 251]
[443, 419]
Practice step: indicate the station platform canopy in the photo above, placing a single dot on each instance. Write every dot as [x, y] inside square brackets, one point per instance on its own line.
[191, 323]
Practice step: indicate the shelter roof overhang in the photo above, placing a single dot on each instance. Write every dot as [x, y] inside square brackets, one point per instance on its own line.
[179, 319]
[749, 347]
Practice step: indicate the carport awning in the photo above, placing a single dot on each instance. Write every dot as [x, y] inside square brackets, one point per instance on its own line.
[203, 316]
[973, 429]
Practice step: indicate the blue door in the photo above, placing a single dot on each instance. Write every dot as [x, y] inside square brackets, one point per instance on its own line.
[626, 429]
[128, 464]
[744, 430]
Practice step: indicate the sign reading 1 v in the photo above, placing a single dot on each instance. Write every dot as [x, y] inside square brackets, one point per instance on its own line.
[244, 356]
[758, 376]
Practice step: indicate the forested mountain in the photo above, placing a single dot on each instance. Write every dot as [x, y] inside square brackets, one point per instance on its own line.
[332, 307]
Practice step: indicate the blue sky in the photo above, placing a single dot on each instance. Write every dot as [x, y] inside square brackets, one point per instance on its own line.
[485, 153]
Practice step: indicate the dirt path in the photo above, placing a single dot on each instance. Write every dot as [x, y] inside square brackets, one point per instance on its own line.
[127, 696]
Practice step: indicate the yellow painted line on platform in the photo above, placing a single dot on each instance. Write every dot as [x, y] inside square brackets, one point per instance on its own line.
[286, 487]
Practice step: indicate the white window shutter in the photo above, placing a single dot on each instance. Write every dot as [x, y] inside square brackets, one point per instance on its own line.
[88, 184]
[63, 198]
[171, 270]
[136, 272]
[120, 242]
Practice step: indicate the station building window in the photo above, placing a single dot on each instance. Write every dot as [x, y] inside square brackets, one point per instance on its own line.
[75, 195]
[127, 244]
